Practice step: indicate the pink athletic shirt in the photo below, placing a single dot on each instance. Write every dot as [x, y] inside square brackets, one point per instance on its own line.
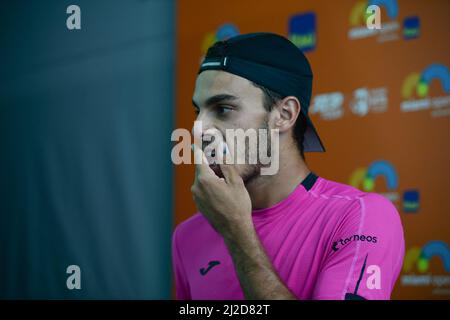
[326, 240]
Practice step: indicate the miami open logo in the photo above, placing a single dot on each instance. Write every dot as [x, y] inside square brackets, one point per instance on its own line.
[417, 271]
[366, 21]
[367, 178]
[416, 91]
[223, 32]
[361, 12]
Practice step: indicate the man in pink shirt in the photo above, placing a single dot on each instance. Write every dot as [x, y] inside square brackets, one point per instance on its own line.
[291, 235]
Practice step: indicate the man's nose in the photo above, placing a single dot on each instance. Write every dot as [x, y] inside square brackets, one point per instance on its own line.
[202, 124]
[204, 116]
[206, 132]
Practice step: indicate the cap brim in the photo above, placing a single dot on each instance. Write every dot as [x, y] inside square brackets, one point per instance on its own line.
[311, 141]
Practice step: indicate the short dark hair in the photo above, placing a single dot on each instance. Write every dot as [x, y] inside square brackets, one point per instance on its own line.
[271, 98]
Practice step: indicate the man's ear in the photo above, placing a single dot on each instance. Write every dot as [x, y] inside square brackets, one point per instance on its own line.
[288, 112]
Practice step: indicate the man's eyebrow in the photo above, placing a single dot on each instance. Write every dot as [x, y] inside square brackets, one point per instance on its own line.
[217, 98]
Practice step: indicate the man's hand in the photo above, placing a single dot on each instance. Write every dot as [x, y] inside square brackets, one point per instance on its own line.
[224, 202]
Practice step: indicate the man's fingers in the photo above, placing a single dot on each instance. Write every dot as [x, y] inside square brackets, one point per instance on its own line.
[201, 162]
[230, 173]
[199, 155]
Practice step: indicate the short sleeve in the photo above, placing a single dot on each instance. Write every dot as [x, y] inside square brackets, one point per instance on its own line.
[365, 254]
[181, 281]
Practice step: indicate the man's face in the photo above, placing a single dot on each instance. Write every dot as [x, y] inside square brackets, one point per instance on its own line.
[225, 101]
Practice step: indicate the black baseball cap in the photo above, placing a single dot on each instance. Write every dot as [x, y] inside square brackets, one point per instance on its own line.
[272, 61]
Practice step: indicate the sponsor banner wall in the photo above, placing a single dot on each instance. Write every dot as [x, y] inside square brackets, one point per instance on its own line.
[381, 104]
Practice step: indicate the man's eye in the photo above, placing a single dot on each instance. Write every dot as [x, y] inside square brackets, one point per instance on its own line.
[222, 109]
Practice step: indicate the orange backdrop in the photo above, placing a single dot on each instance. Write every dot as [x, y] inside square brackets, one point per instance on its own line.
[381, 104]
